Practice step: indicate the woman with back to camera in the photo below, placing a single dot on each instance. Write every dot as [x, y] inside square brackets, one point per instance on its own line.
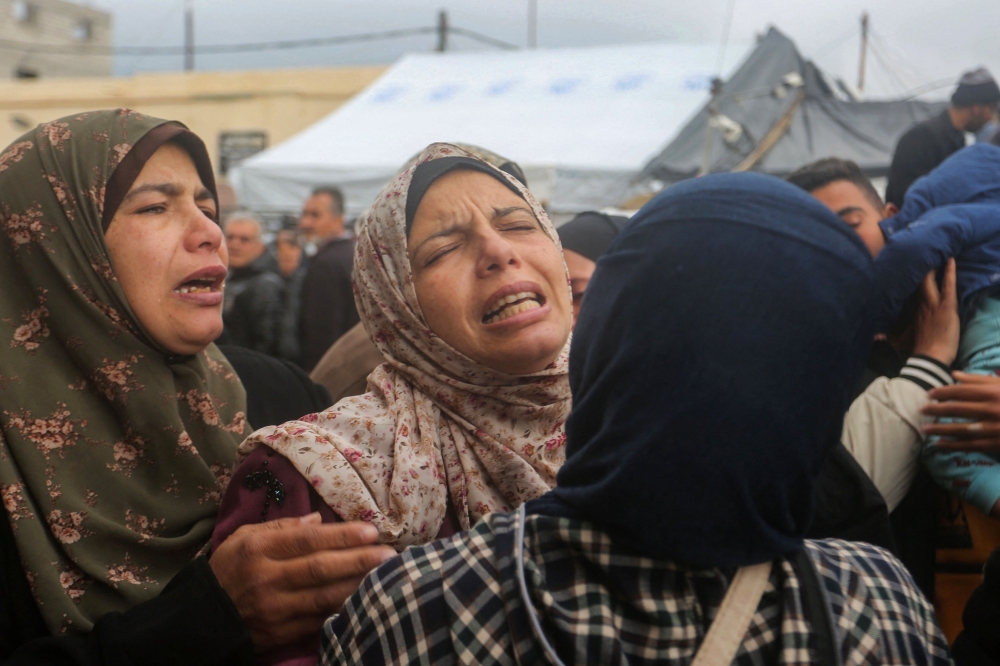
[119, 419]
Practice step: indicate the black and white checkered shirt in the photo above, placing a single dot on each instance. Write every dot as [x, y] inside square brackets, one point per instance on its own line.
[457, 601]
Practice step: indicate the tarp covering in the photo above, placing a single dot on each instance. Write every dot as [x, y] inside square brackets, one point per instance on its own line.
[826, 122]
[582, 122]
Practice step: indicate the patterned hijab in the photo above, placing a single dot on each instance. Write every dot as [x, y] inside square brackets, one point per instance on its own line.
[113, 453]
[434, 423]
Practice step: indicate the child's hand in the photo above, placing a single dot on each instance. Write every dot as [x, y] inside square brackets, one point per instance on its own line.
[937, 320]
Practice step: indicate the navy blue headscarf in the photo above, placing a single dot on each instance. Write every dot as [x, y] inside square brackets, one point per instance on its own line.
[718, 347]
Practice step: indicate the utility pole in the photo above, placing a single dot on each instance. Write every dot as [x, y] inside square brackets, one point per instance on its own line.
[188, 35]
[532, 23]
[442, 31]
[864, 52]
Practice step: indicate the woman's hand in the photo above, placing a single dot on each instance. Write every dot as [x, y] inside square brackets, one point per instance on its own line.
[286, 577]
[976, 397]
[938, 326]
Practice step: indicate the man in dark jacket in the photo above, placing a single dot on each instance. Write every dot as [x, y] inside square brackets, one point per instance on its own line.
[326, 303]
[926, 145]
[253, 302]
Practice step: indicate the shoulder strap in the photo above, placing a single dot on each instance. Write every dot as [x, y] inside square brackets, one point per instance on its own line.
[729, 628]
[815, 599]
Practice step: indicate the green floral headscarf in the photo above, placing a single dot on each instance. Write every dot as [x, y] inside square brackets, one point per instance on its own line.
[113, 453]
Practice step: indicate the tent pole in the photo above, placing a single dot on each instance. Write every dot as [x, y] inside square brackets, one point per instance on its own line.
[864, 52]
[713, 111]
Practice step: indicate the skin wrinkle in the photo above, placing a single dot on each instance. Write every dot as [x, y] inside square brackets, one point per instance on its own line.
[492, 247]
[164, 231]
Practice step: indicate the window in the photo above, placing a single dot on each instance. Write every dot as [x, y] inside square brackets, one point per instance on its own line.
[25, 12]
[83, 30]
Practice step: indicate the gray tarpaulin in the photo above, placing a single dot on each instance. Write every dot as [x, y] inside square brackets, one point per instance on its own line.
[825, 120]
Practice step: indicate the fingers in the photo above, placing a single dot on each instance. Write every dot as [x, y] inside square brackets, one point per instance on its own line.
[929, 290]
[949, 291]
[963, 431]
[290, 540]
[973, 410]
[328, 567]
[966, 378]
[981, 445]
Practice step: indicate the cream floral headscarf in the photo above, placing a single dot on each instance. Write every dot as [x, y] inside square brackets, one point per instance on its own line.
[434, 423]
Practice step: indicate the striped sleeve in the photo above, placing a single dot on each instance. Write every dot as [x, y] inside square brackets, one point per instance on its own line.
[926, 372]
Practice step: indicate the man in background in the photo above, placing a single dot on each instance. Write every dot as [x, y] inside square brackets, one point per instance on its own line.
[253, 301]
[927, 144]
[326, 303]
[289, 253]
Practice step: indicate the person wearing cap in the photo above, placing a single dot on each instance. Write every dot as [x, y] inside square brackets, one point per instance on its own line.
[584, 240]
[926, 145]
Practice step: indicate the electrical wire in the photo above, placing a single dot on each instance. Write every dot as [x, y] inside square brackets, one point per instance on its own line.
[725, 37]
[96, 50]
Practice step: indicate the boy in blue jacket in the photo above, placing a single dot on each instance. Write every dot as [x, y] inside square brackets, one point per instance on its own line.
[954, 211]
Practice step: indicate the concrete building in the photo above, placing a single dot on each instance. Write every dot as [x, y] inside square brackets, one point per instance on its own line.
[46, 38]
[235, 113]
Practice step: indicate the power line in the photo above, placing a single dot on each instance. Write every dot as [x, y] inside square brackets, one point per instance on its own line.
[96, 50]
[483, 38]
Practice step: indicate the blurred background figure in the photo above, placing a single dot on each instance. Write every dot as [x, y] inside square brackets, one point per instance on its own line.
[584, 239]
[927, 144]
[254, 290]
[326, 302]
[289, 254]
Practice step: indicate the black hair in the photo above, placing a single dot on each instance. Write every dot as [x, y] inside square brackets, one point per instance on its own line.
[828, 170]
[334, 193]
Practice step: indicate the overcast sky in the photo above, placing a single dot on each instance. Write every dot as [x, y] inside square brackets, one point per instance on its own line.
[915, 42]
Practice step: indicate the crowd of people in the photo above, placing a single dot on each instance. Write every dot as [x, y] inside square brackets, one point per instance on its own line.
[721, 431]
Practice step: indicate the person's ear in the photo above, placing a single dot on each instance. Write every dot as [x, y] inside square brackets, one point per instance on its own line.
[889, 210]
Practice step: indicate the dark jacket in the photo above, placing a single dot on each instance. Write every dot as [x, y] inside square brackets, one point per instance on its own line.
[979, 642]
[254, 302]
[192, 622]
[326, 303]
[951, 212]
[277, 390]
[919, 150]
[288, 328]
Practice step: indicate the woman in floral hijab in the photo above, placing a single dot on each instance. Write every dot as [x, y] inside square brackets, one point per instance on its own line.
[114, 451]
[440, 440]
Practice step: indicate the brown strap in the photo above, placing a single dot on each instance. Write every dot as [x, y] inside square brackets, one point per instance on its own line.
[729, 628]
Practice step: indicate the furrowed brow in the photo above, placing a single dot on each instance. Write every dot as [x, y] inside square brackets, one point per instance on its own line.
[504, 212]
[170, 189]
[439, 234]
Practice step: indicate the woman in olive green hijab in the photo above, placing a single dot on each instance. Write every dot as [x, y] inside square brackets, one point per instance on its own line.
[119, 420]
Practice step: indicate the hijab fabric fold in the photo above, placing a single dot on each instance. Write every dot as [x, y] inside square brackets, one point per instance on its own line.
[716, 352]
[113, 453]
[434, 424]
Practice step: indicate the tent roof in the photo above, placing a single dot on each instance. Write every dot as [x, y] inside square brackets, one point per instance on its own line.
[824, 120]
[590, 113]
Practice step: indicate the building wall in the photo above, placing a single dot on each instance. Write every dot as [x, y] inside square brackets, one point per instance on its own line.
[279, 103]
[44, 24]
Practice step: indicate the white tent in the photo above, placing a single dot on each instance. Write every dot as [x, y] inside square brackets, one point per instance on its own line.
[581, 122]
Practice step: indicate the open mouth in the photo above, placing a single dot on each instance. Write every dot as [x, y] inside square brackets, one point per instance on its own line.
[197, 286]
[205, 281]
[513, 304]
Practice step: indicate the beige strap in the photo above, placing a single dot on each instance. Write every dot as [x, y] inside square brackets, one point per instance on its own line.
[729, 628]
